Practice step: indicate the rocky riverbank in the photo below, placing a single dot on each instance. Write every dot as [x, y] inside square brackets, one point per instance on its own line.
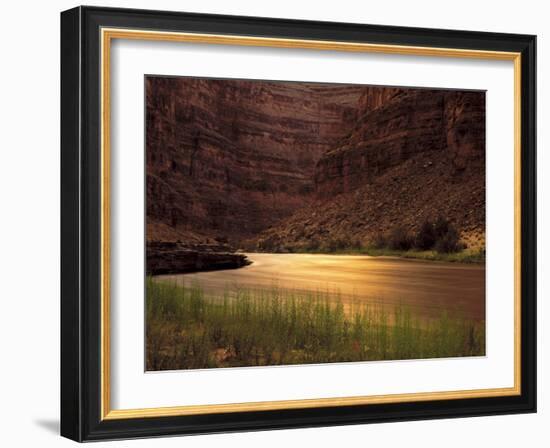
[179, 258]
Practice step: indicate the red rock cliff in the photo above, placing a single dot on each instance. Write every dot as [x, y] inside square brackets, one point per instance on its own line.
[411, 122]
[413, 155]
[296, 163]
[227, 158]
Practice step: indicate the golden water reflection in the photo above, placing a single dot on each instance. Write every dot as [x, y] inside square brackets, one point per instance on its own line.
[426, 287]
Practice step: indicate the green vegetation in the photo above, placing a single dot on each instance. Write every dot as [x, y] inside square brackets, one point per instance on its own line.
[464, 256]
[439, 235]
[187, 330]
[434, 241]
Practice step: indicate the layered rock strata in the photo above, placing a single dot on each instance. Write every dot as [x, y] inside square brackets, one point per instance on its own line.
[418, 155]
[228, 158]
[286, 166]
[412, 123]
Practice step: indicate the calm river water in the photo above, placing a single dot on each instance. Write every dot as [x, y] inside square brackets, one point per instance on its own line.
[427, 287]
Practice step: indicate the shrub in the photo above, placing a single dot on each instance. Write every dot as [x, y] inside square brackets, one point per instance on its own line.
[400, 239]
[425, 238]
[312, 245]
[357, 244]
[380, 241]
[439, 235]
[337, 243]
[449, 242]
[441, 227]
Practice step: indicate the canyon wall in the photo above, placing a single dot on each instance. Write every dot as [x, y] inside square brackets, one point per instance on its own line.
[288, 165]
[418, 155]
[228, 158]
[411, 123]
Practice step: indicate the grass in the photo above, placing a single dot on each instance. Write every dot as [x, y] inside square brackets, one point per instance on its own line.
[435, 240]
[185, 329]
[464, 256]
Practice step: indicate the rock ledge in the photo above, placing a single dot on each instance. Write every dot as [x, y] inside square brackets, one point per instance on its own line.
[179, 258]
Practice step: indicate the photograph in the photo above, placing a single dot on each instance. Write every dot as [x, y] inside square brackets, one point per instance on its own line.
[279, 220]
[292, 222]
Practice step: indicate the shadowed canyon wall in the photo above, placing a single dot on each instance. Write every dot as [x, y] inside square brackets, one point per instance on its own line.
[228, 158]
[414, 122]
[276, 165]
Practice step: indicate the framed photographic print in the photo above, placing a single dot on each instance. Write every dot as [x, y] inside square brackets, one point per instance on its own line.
[273, 223]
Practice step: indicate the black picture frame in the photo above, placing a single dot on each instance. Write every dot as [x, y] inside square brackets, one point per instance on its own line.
[81, 224]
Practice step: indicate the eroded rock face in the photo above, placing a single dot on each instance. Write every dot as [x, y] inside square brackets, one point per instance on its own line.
[411, 122]
[227, 158]
[418, 155]
[465, 133]
[275, 165]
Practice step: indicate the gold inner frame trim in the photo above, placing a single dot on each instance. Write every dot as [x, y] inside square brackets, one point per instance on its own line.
[107, 35]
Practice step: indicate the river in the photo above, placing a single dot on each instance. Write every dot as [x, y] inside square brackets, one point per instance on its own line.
[426, 287]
